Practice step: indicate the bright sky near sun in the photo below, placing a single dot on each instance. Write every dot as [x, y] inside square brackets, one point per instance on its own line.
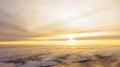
[35, 21]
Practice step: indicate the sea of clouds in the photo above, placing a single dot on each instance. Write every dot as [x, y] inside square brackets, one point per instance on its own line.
[54, 55]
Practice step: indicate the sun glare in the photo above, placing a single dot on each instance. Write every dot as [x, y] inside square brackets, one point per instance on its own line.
[71, 40]
[70, 37]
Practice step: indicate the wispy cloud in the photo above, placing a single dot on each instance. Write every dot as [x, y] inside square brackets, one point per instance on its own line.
[24, 19]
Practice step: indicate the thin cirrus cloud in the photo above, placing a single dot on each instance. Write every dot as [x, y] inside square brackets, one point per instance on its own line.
[25, 19]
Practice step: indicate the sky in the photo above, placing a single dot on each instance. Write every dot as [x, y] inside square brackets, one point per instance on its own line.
[58, 20]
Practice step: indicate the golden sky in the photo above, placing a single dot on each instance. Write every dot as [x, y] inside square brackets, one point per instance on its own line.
[35, 21]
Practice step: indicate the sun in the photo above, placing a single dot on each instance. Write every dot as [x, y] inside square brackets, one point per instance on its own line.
[71, 40]
[70, 37]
